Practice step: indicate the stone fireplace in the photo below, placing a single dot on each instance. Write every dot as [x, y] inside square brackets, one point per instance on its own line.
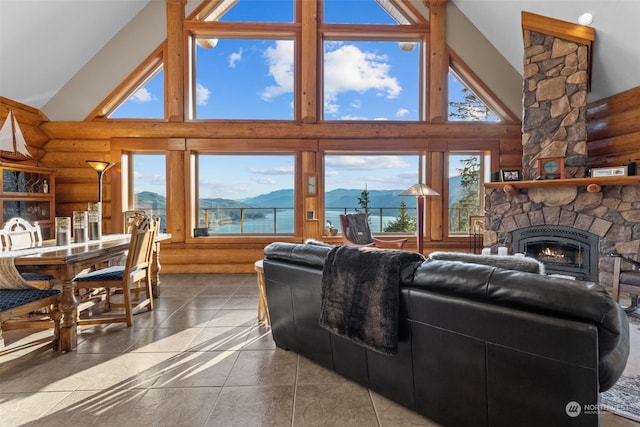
[611, 218]
[570, 221]
[563, 250]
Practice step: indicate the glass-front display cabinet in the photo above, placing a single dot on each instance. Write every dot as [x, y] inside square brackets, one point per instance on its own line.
[28, 192]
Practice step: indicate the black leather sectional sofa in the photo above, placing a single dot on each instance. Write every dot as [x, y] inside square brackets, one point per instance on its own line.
[477, 346]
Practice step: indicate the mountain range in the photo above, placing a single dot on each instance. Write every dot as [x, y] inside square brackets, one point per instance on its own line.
[335, 199]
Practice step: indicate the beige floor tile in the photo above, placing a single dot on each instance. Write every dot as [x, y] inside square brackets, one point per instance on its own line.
[221, 338]
[89, 408]
[17, 409]
[197, 369]
[193, 362]
[188, 318]
[260, 338]
[264, 367]
[339, 404]
[235, 318]
[391, 414]
[205, 302]
[165, 340]
[242, 303]
[253, 406]
[312, 373]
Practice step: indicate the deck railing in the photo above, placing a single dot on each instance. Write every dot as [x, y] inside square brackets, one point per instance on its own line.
[270, 220]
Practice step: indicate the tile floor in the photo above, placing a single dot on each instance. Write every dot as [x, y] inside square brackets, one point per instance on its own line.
[199, 359]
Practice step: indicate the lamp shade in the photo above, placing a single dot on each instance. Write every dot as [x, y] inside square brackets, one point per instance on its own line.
[420, 190]
[99, 166]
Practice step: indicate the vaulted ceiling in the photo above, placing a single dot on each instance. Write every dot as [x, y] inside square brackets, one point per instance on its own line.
[45, 43]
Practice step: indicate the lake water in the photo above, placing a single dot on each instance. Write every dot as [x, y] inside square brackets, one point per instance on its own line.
[284, 223]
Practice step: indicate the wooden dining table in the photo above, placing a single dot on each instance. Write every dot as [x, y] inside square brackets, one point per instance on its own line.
[65, 262]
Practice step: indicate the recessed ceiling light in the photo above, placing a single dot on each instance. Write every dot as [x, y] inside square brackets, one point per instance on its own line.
[585, 18]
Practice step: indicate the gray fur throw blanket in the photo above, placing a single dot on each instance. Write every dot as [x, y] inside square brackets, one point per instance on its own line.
[361, 294]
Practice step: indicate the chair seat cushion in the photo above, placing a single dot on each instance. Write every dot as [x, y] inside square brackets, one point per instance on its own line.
[110, 273]
[10, 298]
[630, 278]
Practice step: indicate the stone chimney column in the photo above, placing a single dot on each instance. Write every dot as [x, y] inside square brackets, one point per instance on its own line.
[555, 85]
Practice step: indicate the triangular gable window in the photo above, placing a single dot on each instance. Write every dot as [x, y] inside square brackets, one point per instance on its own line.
[465, 105]
[384, 12]
[146, 101]
[248, 11]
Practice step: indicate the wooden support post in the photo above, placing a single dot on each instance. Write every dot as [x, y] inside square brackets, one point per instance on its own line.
[438, 61]
[174, 61]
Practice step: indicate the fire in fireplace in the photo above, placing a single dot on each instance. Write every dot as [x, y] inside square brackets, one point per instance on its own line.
[563, 250]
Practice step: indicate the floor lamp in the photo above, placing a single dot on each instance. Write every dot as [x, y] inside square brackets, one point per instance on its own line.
[95, 209]
[420, 191]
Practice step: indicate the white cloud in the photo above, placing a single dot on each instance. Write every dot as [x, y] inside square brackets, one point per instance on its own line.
[217, 188]
[279, 170]
[280, 60]
[202, 94]
[141, 96]
[351, 117]
[402, 112]
[234, 58]
[348, 68]
[265, 180]
[365, 162]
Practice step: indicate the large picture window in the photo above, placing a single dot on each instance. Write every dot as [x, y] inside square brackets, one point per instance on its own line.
[371, 184]
[146, 185]
[244, 79]
[371, 80]
[146, 102]
[466, 176]
[246, 194]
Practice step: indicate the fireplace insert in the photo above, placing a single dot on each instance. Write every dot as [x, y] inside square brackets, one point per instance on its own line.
[563, 250]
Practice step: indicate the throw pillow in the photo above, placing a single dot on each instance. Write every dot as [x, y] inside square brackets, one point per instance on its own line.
[525, 264]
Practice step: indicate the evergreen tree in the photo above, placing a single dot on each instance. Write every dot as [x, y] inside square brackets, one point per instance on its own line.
[364, 201]
[469, 202]
[403, 222]
[471, 108]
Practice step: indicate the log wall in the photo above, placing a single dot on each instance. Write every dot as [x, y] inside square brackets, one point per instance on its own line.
[613, 129]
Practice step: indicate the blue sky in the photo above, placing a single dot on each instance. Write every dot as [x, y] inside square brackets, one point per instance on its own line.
[253, 79]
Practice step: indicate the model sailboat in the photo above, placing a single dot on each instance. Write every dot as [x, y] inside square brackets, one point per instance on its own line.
[12, 143]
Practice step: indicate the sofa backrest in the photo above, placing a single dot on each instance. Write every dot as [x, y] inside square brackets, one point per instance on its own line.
[309, 254]
[557, 297]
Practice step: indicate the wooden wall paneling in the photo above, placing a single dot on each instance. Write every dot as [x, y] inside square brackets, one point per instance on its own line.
[438, 61]
[618, 123]
[435, 180]
[623, 101]
[265, 145]
[177, 190]
[311, 227]
[276, 130]
[174, 62]
[178, 258]
[614, 116]
[613, 129]
[309, 71]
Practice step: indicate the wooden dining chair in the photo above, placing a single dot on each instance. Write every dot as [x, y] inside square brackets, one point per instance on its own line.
[23, 309]
[133, 277]
[18, 233]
